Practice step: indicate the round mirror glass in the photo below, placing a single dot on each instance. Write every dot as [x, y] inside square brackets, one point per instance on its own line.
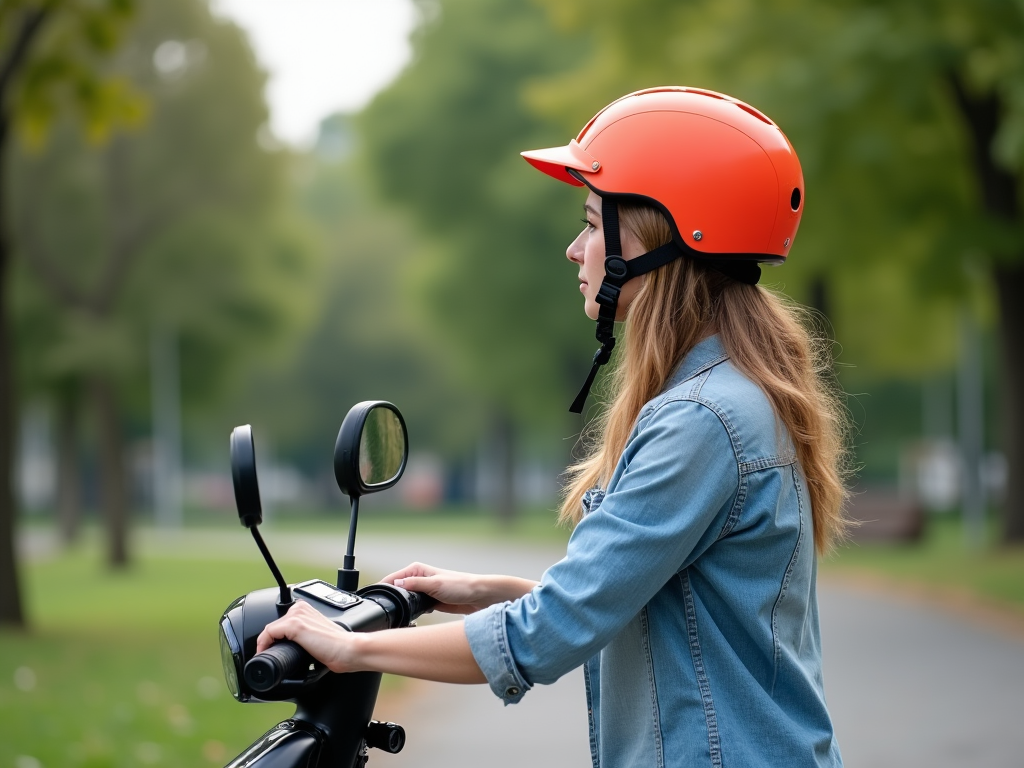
[381, 446]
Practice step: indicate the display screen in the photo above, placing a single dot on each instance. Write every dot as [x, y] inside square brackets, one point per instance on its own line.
[319, 589]
[324, 591]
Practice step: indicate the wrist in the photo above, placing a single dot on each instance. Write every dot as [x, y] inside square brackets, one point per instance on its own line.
[351, 652]
[487, 591]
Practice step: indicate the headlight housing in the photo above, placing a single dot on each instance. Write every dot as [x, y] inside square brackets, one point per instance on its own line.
[231, 650]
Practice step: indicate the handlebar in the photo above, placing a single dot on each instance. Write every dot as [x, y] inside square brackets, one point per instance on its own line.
[420, 603]
[284, 660]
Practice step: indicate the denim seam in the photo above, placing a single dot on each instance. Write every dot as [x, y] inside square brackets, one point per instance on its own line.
[734, 437]
[767, 462]
[703, 369]
[706, 368]
[506, 653]
[698, 384]
[595, 758]
[737, 449]
[655, 712]
[710, 717]
[785, 584]
[737, 508]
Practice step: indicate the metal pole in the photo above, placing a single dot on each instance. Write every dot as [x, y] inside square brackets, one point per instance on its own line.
[166, 403]
[970, 417]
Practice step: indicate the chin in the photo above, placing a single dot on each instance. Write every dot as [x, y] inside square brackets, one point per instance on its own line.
[592, 310]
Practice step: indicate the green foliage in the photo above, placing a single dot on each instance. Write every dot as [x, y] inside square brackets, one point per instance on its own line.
[443, 142]
[369, 342]
[65, 66]
[866, 91]
[179, 224]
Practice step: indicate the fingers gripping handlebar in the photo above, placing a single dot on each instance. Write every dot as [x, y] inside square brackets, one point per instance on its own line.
[286, 661]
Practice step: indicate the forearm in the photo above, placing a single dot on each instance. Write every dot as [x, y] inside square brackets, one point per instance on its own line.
[498, 589]
[439, 652]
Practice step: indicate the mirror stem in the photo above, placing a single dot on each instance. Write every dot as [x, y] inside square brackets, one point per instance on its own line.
[348, 576]
[286, 593]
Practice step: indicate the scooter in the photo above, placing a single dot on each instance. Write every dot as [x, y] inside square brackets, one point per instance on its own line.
[332, 725]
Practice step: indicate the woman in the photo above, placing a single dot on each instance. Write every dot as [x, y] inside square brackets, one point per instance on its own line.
[688, 588]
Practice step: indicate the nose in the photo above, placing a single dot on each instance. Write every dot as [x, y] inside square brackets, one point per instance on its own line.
[574, 252]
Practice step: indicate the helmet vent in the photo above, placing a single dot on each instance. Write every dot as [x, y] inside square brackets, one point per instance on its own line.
[794, 199]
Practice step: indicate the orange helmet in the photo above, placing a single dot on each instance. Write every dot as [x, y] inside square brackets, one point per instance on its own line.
[722, 173]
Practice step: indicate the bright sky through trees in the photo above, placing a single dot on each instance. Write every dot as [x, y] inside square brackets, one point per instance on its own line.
[322, 55]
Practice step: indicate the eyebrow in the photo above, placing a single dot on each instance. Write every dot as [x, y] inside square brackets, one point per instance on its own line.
[587, 208]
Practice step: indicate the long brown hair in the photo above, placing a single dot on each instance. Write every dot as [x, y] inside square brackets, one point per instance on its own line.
[766, 337]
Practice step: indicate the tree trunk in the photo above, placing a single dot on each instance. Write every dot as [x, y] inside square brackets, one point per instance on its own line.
[10, 593]
[113, 477]
[1009, 284]
[998, 189]
[11, 612]
[69, 486]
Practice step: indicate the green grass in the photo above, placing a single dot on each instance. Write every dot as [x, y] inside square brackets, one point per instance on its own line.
[531, 525]
[123, 669]
[941, 562]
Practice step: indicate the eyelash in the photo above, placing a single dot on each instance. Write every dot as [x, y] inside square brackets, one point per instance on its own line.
[587, 222]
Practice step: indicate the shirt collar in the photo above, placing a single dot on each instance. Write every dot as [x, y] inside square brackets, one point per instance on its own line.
[706, 353]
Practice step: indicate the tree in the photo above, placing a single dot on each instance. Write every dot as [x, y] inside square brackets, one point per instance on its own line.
[175, 226]
[907, 117]
[370, 341]
[46, 47]
[443, 143]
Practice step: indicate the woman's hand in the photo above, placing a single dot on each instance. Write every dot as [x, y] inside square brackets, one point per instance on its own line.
[440, 652]
[458, 592]
[324, 640]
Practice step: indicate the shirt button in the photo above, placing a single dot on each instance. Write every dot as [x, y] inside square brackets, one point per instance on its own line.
[513, 691]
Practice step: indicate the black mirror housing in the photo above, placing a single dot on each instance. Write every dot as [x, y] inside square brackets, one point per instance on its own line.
[355, 441]
[243, 476]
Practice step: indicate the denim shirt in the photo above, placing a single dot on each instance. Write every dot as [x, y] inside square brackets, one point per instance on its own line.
[688, 591]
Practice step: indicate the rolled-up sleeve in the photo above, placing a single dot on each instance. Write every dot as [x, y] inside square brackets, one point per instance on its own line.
[677, 478]
[488, 641]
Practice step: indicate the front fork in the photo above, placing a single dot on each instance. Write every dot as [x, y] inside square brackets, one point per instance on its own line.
[331, 727]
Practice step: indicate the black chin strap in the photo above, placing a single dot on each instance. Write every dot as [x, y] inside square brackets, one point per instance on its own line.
[617, 272]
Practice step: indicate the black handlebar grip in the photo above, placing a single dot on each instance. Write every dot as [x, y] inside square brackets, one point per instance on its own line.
[420, 603]
[284, 660]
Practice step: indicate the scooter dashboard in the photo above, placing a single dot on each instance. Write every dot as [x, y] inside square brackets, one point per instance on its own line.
[321, 591]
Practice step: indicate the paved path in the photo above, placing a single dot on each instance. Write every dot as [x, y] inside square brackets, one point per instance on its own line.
[908, 685]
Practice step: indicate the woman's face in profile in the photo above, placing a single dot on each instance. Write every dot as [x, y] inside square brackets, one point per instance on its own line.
[587, 251]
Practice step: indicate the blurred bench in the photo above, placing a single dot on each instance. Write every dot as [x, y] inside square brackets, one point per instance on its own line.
[883, 514]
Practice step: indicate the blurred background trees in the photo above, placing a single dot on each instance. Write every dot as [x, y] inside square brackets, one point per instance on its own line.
[178, 271]
[908, 120]
[48, 50]
[169, 269]
[176, 229]
[443, 142]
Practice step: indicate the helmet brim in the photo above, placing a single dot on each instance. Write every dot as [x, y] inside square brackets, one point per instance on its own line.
[557, 161]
